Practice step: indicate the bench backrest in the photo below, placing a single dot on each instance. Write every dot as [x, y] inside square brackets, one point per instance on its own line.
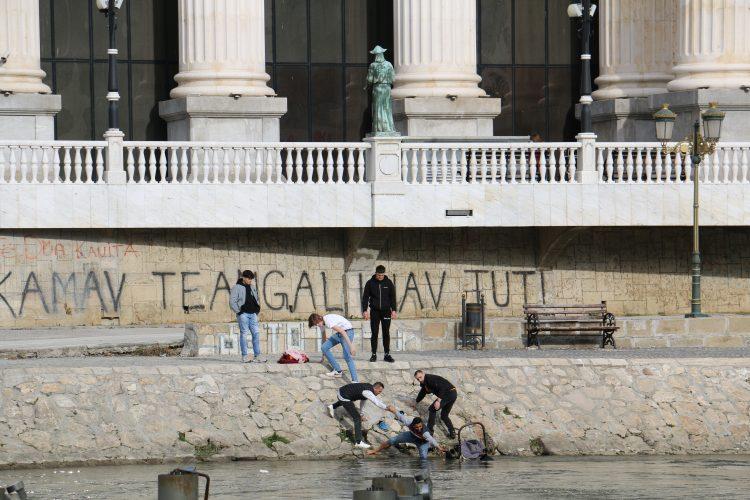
[566, 309]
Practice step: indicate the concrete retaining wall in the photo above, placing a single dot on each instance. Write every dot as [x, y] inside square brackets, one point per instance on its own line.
[135, 409]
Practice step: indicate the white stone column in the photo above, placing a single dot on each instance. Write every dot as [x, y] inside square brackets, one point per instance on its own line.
[436, 48]
[19, 43]
[436, 86]
[636, 44]
[222, 48]
[714, 45]
[24, 113]
[222, 92]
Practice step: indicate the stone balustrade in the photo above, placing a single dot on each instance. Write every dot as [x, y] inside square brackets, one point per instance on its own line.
[376, 183]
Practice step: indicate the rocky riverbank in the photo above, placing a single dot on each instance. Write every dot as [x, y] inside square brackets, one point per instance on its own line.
[101, 410]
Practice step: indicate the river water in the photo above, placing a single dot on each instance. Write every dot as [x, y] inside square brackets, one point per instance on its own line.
[539, 477]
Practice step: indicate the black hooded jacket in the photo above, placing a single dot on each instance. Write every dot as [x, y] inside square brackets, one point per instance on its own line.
[380, 295]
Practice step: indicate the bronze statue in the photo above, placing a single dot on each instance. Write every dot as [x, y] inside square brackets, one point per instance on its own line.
[380, 76]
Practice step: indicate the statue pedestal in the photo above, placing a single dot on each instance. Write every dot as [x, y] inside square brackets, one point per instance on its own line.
[446, 117]
[223, 119]
[384, 173]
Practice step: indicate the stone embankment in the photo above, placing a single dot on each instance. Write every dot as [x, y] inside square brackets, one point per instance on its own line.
[137, 409]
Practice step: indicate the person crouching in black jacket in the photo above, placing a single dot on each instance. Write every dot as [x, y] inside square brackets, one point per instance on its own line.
[445, 395]
[379, 306]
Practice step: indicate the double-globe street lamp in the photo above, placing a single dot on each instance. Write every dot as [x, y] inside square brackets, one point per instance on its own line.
[700, 146]
[110, 8]
[584, 11]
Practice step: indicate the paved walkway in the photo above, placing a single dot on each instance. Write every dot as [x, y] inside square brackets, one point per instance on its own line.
[521, 354]
[69, 340]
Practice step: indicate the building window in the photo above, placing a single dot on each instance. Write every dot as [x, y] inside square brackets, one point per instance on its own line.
[527, 55]
[74, 41]
[317, 53]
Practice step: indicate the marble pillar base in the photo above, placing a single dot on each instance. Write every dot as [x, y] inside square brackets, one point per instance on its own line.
[223, 119]
[443, 117]
[630, 119]
[28, 116]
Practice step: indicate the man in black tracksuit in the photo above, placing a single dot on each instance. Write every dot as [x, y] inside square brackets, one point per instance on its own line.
[379, 306]
[445, 394]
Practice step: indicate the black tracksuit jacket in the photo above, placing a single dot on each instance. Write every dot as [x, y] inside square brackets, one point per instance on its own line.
[380, 295]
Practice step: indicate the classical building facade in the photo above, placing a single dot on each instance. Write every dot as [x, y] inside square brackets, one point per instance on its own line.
[245, 147]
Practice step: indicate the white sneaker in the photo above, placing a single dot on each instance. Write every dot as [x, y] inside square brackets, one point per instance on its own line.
[363, 445]
[246, 359]
[331, 411]
[335, 374]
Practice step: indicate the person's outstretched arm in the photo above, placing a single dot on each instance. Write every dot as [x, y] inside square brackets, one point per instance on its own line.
[421, 394]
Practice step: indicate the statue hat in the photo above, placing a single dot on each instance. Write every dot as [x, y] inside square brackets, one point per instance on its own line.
[378, 50]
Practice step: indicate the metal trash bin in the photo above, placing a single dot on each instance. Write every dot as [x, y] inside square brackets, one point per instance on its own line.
[181, 484]
[472, 332]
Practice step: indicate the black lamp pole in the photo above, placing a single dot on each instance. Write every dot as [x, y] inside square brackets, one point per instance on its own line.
[695, 301]
[113, 94]
[586, 68]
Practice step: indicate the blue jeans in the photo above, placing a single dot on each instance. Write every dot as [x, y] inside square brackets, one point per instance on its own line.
[249, 322]
[335, 340]
[408, 437]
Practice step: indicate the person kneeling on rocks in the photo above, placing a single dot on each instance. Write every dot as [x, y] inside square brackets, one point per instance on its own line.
[359, 392]
[418, 435]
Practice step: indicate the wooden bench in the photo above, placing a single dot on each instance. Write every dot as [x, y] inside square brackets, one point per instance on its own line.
[588, 319]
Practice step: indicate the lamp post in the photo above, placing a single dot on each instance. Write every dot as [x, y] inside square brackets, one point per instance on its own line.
[110, 8]
[701, 145]
[585, 11]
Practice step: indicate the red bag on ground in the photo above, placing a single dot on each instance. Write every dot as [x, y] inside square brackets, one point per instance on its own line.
[293, 356]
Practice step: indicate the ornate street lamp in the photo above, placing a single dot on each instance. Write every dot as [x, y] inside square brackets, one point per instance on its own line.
[585, 12]
[700, 146]
[110, 8]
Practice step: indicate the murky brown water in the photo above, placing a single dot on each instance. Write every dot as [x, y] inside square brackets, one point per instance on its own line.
[724, 477]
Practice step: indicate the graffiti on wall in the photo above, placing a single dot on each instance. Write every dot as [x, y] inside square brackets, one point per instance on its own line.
[56, 292]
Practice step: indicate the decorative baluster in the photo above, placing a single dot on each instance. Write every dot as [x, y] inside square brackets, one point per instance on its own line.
[405, 166]
[678, 166]
[56, 173]
[194, 166]
[234, 166]
[288, 162]
[629, 166]
[638, 165]
[600, 169]
[413, 167]
[562, 166]
[743, 166]
[659, 153]
[306, 176]
[141, 164]
[170, 158]
[278, 170]
[320, 167]
[34, 165]
[349, 165]
[258, 165]
[493, 165]
[503, 167]
[550, 166]
[513, 169]
[215, 167]
[339, 165]
[525, 174]
[162, 151]
[77, 166]
[423, 165]
[705, 169]
[270, 164]
[668, 167]
[688, 167]
[297, 165]
[66, 165]
[361, 166]
[475, 174]
[129, 164]
[716, 166]
[89, 163]
[649, 165]
[12, 165]
[453, 167]
[224, 178]
[735, 165]
[329, 165]
[463, 165]
[183, 171]
[100, 164]
[609, 166]
[725, 165]
[572, 164]
[45, 166]
[152, 172]
[24, 167]
[619, 167]
[535, 170]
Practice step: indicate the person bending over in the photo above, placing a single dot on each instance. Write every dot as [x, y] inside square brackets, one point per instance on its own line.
[343, 334]
[363, 392]
[445, 395]
[417, 434]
